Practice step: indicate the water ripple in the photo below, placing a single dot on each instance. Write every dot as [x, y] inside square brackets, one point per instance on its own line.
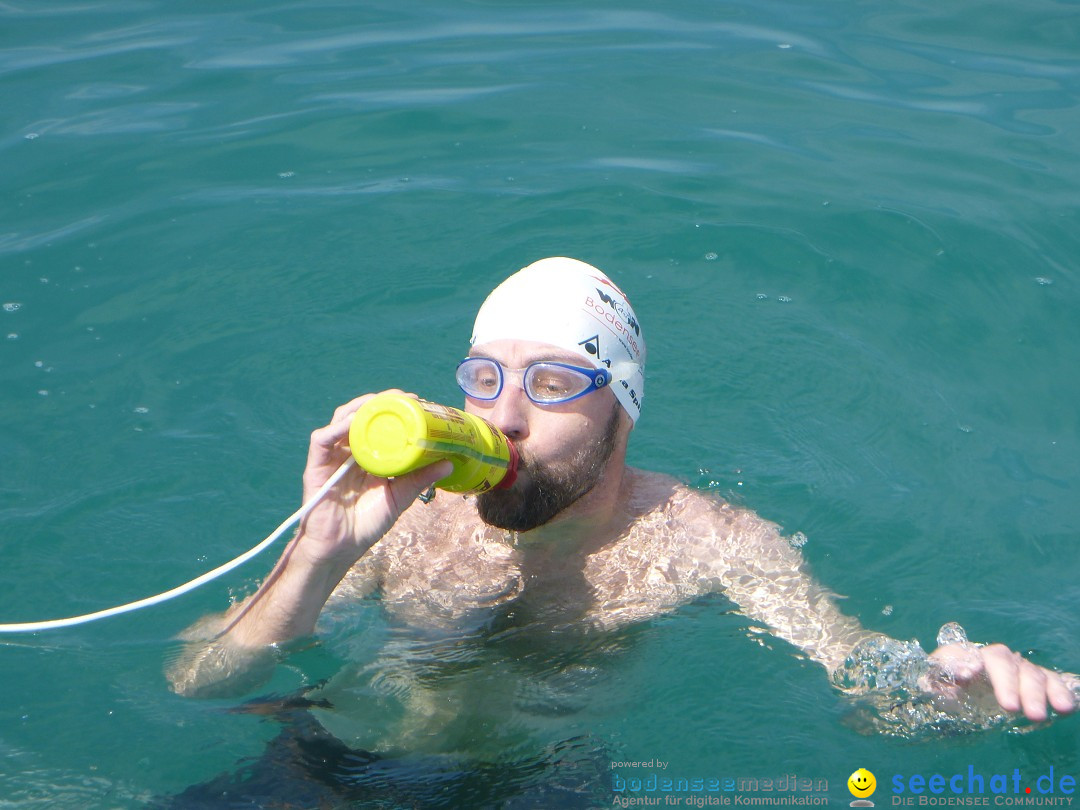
[406, 97]
[32, 58]
[668, 166]
[510, 25]
[153, 116]
[18, 242]
[998, 109]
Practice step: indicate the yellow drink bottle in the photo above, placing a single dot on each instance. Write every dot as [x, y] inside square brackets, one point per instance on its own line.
[392, 434]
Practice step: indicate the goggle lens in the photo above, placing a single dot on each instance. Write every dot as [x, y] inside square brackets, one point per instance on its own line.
[549, 382]
[480, 378]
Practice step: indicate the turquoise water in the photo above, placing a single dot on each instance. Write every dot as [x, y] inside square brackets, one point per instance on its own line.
[850, 231]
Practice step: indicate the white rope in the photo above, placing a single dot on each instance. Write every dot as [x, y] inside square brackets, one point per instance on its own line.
[221, 570]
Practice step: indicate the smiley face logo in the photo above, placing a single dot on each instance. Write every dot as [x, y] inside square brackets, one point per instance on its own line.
[862, 783]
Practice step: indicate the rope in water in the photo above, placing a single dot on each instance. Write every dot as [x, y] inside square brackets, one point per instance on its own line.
[221, 570]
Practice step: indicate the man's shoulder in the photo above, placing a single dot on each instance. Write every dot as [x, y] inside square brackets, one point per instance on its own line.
[703, 517]
[652, 491]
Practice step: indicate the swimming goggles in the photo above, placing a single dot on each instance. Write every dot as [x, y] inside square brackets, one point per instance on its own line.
[545, 383]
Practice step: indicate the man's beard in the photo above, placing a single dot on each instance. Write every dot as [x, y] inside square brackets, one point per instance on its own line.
[543, 490]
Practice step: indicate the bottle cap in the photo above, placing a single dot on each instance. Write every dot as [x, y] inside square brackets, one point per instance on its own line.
[383, 435]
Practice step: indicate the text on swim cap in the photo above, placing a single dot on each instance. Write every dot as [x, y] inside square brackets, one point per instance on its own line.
[617, 325]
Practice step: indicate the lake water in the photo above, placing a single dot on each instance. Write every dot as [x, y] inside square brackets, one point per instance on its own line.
[851, 234]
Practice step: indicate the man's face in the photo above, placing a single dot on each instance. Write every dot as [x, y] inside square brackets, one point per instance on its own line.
[564, 448]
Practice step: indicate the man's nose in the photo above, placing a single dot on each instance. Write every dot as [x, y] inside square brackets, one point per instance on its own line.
[510, 412]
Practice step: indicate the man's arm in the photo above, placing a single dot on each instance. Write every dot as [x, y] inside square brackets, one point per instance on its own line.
[767, 578]
[356, 513]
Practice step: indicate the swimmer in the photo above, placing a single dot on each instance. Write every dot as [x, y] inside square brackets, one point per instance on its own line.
[580, 538]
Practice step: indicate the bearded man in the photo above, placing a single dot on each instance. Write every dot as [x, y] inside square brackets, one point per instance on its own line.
[581, 539]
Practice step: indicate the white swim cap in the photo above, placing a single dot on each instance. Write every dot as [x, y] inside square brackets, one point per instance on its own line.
[574, 306]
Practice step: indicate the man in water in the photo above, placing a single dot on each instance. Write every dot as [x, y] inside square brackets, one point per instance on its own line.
[557, 364]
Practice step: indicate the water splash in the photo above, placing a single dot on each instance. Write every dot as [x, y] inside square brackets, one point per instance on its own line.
[900, 691]
[951, 633]
[883, 664]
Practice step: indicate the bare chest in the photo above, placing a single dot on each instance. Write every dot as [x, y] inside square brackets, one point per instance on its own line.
[478, 578]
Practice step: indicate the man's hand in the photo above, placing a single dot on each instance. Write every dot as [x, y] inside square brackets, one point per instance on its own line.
[361, 508]
[349, 520]
[1018, 685]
